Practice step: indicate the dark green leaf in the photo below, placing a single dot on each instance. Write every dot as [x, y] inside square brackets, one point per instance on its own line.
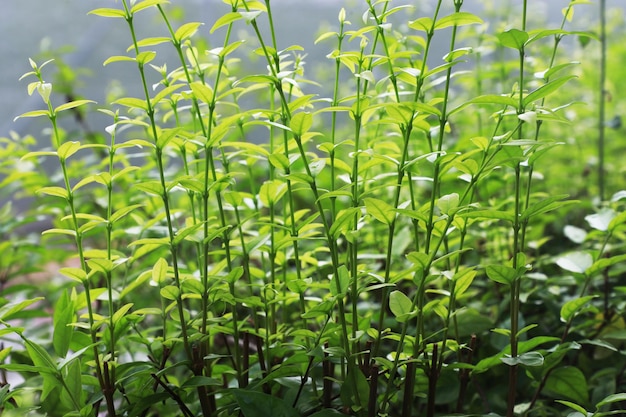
[568, 383]
[257, 404]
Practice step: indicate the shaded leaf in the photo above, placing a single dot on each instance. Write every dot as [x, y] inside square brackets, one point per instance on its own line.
[257, 404]
[568, 383]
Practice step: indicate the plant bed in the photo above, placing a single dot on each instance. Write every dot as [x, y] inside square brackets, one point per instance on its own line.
[385, 237]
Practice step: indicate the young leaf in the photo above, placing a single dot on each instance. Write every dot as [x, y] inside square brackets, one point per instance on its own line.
[569, 309]
[108, 12]
[339, 284]
[502, 274]
[7, 310]
[380, 210]
[400, 305]
[186, 31]
[271, 192]
[458, 19]
[159, 271]
[72, 104]
[513, 38]
[202, 92]
[145, 4]
[301, 123]
[448, 203]
[546, 89]
[224, 20]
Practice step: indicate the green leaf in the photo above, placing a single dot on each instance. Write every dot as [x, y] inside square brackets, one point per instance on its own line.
[448, 203]
[151, 187]
[603, 263]
[145, 4]
[123, 212]
[400, 305]
[257, 404]
[380, 210]
[339, 283]
[72, 104]
[513, 38]
[489, 214]
[7, 310]
[617, 221]
[546, 89]
[345, 220]
[152, 41]
[502, 274]
[545, 205]
[145, 57]
[108, 12]
[422, 24]
[54, 191]
[34, 113]
[67, 149]
[567, 383]
[301, 123]
[458, 19]
[159, 271]
[101, 265]
[577, 262]
[121, 312]
[202, 92]
[62, 317]
[187, 30]
[170, 292]
[77, 274]
[133, 103]
[118, 58]
[272, 191]
[186, 232]
[225, 19]
[43, 360]
[165, 136]
[575, 407]
[613, 398]
[280, 161]
[463, 279]
[569, 309]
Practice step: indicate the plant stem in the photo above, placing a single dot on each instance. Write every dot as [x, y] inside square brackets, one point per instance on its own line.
[602, 98]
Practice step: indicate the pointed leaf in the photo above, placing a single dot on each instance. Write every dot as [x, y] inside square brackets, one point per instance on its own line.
[187, 31]
[72, 104]
[568, 383]
[513, 38]
[502, 274]
[380, 210]
[569, 309]
[458, 19]
[301, 123]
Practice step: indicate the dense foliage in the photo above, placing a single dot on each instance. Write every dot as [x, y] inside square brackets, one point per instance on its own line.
[396, 234]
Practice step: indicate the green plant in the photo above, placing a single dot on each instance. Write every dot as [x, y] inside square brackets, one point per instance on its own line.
[375, 249]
